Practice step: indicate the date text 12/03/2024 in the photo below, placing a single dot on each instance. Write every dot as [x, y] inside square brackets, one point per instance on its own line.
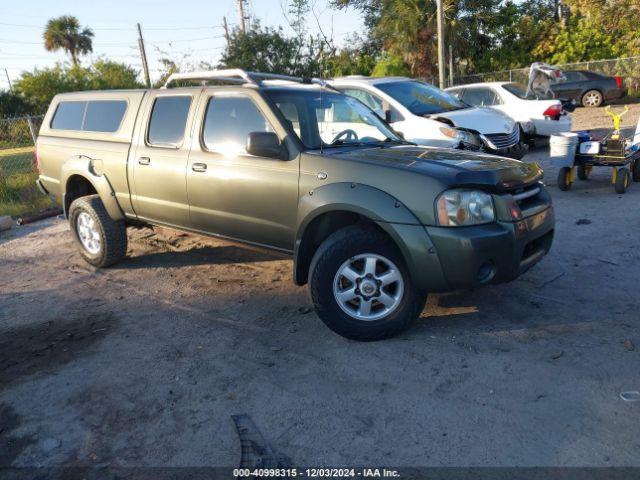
[316, 473]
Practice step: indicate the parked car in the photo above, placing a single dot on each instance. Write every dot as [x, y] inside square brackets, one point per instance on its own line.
[411, 106]
[372, 222]
[589, 89]
[536, 116]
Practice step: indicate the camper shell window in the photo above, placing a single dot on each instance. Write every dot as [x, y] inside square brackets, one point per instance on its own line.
[102, 116]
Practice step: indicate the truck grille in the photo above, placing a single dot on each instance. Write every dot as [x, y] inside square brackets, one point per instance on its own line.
[505, 140]
[528, 199]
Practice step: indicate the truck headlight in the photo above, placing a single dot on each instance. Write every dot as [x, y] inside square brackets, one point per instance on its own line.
[462, 207]
[462, 135]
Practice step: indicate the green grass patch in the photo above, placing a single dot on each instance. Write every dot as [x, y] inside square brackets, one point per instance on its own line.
[20, 196]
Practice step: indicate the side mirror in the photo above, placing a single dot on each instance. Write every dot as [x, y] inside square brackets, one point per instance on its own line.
[265, 144]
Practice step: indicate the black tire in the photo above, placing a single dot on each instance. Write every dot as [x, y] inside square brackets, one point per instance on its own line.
[564, 178]
[112, 233]
[592, 99]
[338, 248]
[636, 171]
[623, 178]
[583, 172]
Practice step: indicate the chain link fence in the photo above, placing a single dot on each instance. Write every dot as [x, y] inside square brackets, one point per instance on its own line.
[627, 68]
[19, 195]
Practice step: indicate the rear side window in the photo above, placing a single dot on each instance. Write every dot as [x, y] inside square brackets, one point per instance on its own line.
[229, 121]
[104, 116]
[481, 97]
[93, 116]
[168, 120]
[69, 116]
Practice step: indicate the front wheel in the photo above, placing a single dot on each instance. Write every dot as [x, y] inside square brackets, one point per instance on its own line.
[360, 286]
[623, 178]
[102, 240]
[564, 178]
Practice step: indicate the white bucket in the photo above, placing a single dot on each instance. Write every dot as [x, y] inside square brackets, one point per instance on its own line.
[562, 149]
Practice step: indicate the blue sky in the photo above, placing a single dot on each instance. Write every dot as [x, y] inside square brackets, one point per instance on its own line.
[187, 29]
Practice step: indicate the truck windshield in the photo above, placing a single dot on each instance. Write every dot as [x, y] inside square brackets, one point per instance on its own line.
[322, 118]
[421, 98]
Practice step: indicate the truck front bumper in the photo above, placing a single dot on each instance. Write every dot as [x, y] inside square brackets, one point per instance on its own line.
[492, 253]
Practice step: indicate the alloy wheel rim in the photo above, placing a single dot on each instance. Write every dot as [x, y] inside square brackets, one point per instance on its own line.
[368, 287]
[593, 99]
[88, 233]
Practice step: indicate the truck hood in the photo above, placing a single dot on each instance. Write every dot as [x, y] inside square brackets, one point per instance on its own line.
[483, 120]
[452, 167]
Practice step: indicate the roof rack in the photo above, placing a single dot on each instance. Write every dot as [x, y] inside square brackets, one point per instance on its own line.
[239, 76]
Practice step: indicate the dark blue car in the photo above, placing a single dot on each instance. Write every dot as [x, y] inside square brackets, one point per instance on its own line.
[589, 89]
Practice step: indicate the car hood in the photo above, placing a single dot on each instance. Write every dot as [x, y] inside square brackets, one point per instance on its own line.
[453, 167]
[483, 120]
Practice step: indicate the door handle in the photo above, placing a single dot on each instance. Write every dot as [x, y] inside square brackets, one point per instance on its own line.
[144, 161]
[199, 167]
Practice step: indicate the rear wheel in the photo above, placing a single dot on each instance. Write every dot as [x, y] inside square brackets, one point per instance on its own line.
[360, 286]
[564, 178]
[623, 178]
[592, 98]
[636, 170]
[583, 172]
[102, 240]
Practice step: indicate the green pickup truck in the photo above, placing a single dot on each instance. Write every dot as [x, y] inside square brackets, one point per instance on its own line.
[373, 222]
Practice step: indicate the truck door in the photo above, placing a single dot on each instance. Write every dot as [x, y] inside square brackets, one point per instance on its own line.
[231, 192]
[159, 163]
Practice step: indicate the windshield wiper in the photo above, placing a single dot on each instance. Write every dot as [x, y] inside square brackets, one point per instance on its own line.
[341, 143]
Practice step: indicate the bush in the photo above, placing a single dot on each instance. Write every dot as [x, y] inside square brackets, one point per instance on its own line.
[391, 66]
[41, 85]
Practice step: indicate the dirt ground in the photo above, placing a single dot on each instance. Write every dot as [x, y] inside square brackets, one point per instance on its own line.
[144, 364]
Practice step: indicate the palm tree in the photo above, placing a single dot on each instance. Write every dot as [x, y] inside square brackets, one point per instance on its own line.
[65, 33]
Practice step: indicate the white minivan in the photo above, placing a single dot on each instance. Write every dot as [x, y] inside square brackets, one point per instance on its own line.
[426, 115]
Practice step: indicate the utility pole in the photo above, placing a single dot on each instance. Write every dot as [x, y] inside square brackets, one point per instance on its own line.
[8, 80]
[243, 27]
[143, 55]
[226, 29]
[441, 60]
[450, 65]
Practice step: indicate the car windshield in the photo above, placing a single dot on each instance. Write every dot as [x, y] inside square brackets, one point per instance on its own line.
[520, 91]
[323, 118]
[421, 98]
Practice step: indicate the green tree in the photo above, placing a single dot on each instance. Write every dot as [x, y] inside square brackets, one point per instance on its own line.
[391, 65]
[106, 75]
[358, 58]
[39, 86]
[65, 33]
[408, 29]
[580, 40]
[13, 104]
[265, 49]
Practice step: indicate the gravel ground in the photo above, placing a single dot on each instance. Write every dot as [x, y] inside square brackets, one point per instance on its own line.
[143, 364]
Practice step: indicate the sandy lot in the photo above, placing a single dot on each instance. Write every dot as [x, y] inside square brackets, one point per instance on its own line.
[144, 364]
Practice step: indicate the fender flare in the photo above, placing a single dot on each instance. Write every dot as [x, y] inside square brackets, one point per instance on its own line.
[92, 171]
[380, 207]
[365, 200]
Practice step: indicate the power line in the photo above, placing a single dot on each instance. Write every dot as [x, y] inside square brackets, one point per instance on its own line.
[122, 29]
[107, 44]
